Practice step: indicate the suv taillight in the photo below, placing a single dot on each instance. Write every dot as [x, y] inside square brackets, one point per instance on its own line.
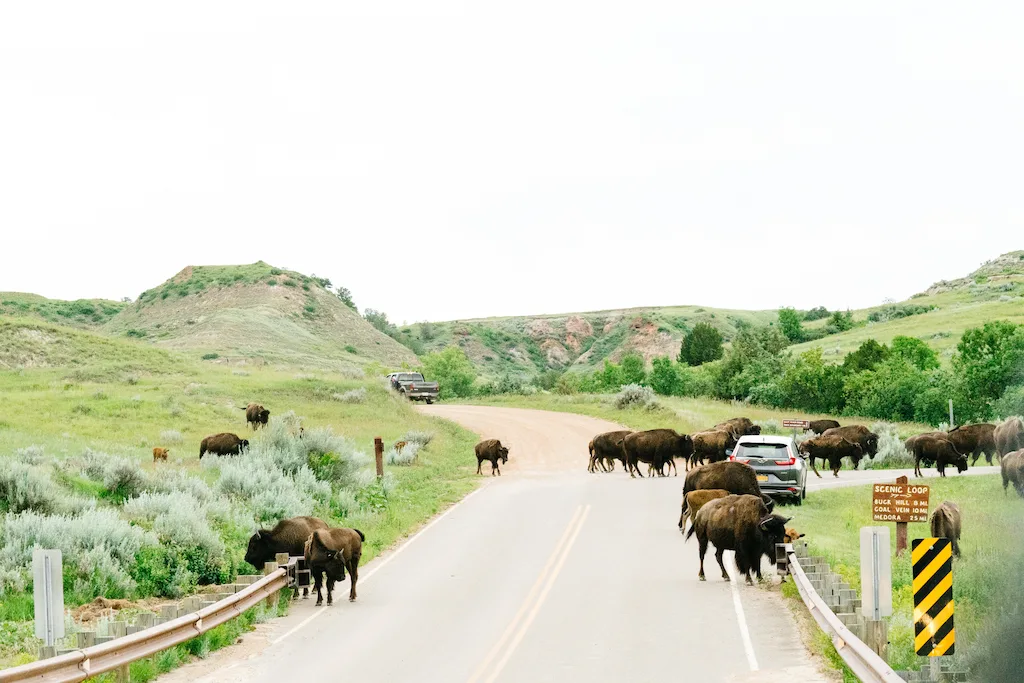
[791, 461]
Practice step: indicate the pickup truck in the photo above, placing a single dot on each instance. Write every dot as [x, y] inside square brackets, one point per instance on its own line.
[412, 386]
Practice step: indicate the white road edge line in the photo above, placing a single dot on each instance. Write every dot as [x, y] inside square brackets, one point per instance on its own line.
[384, 562]
[741, 618]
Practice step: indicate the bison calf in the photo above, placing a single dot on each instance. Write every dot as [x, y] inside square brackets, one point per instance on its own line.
[740, 524]
[695, 500]
[331, 552]
[945, 523]
[493, 451]
[160, 453]
[222, 444]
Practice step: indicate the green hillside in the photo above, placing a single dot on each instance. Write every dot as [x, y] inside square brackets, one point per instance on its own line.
[83, 313]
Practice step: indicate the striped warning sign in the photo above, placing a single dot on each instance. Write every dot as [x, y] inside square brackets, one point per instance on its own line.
[933, 596]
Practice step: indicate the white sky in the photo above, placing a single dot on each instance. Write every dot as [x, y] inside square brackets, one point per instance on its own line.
[460, 161]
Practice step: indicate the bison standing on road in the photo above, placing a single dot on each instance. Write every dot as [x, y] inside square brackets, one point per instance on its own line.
[331, 552]
[656, 447]
[946, 522]
[288, 536]
[493, 451]
[1012, 468]
[831, 448]
[256, 416]
[740, 524]
[712, 446]
[695, 500]
[734, 477]
[222, 444]
[1009, 436]
[819, 427]
[867, 439]
[605, 449]
[940, 450]
[974, 440]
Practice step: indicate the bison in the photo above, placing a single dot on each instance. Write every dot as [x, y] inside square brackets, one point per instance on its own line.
[656, 447]
[711, 445]
[605, 449]
[738, 426]
[288, 536]
[939, 450]
[695, 500]
[945, 523]
[832, 449]
[734, 477]
[867, 439]
[1009, 436]
[1012, 467]
[222, 444]
[974, 440]
[740, 524]
[819, 427]
[493, 451]
[160, 453]
[256, 416]
[331, 552]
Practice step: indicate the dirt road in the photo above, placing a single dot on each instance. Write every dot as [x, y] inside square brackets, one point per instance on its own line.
[545, 574]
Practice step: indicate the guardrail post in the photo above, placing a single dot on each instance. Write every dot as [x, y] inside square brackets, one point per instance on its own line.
[47, 651]
[270, 568]
[123, 674]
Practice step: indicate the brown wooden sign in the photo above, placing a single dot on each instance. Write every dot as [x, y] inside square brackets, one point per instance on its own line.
[797, 424]
[899, 503]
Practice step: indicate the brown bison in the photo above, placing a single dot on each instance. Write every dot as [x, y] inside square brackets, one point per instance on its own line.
[792, 535]
[712, 446]
[743, 525]
[695, 500]
[734, 477]
[1009, 436]
[256, 416]
[222, 444]
[738, 426]
[945, 523]
[605, 449]
[819, 427]
[288, 536]
[1012, 468]
[160, 453]
[331, 552]
[656, 447]
[939, 450]
[867, 439]
[493, 451]
[973, 440]
[831, 448]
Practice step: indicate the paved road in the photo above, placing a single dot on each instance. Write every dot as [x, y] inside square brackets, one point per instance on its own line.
[545, 574]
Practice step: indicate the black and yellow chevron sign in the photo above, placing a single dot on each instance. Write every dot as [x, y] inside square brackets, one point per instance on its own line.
[933, 596]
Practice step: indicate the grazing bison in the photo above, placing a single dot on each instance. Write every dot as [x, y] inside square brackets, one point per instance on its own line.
[712, 446]
[734, 477]
[656, 447]
[331, 552]
[939, 450]
[605, 449]
[1012, 468]
[831, 449]
[695, 500]
[160, 453]
[288, 536]
[222, 444]
[819, 427]
[256, 416]
[945, 522]
[738, 426]
[491, 450]
[867, 439]
[740, 524]
[973, 440]
[1009, 436]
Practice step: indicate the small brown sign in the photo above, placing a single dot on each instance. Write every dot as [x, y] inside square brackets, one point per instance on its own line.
[797, 424]
[899, 503]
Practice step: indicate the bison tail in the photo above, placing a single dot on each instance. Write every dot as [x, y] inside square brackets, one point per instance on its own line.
[690, 532]
[362, 536]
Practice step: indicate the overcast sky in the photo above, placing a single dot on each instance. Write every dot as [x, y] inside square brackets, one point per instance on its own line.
[458, 161]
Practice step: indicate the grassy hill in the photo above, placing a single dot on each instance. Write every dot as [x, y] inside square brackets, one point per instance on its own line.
[83, 313]
[256, 312]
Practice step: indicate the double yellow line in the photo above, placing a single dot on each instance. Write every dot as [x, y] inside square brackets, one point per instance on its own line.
[517, 628]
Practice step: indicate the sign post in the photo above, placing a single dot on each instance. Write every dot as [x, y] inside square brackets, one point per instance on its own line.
[48, 595]
[901, 503]
[876, 586]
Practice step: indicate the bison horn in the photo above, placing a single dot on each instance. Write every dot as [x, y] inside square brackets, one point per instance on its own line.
[257, 535]
[786, 519]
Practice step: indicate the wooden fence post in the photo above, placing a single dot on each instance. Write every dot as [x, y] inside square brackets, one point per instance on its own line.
[378, 451]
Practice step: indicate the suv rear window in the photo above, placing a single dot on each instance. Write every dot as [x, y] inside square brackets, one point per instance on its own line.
[768, 451]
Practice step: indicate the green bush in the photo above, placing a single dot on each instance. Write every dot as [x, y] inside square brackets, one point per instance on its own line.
[568, 384]
[351, 349]
[789, 323]
[635, 396]
[664, 378]
[702, 344]
[452, 371]
[632, 369]
[211, 356]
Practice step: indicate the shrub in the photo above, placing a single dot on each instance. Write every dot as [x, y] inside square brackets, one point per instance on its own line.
[124, 478]
[635, 396]
[891, 451]
[406, 456]
[631, 369]
[452, 370]
[26, 487]
[352, 372]
[351, 349]
[211, 356]
[132, 332]
[170, 436]
[664, 379]
[770, 426]
[568, 384]
[418, 437]
[82, 409]
[30, 455]
[131, 379]
[240, 373]
[100, 395]
[351, 396]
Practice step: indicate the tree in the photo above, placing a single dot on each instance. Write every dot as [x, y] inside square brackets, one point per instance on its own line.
[816, 313]
[664, 379]
[789, 323]
[866, 357]
[452, 371]
[631, 369]
[814, 385]
[427, 331]
[378, 319]
[840, 322]
[915, 352]
[702, 344]
[989, 359]
[753, 361]
[346, 297]
[889, 392]
[611, 376]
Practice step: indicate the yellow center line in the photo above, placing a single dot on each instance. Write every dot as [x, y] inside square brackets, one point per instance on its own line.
[510, 629]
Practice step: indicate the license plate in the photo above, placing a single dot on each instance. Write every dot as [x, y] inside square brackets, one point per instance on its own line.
[762, 477]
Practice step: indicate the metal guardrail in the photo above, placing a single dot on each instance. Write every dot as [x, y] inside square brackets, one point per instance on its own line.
[862, 660]
[79, 665]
